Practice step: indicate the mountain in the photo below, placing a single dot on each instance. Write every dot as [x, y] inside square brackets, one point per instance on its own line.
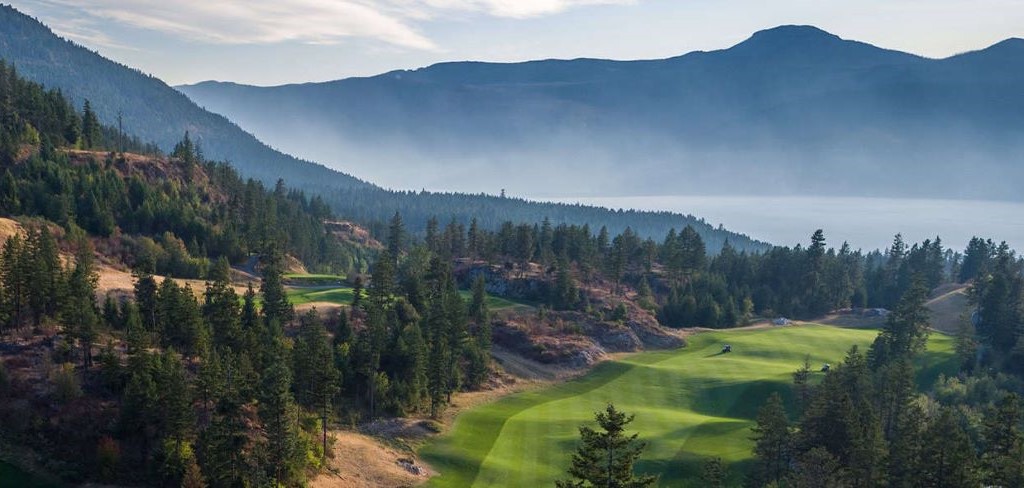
[791, 110]
[152, 111]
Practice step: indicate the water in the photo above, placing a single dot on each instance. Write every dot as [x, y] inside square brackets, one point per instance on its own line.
[866, 223]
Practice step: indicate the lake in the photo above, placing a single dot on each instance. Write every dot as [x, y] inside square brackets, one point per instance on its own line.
[866, 223]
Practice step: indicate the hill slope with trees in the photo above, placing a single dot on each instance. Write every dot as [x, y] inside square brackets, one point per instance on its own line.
[157, 113]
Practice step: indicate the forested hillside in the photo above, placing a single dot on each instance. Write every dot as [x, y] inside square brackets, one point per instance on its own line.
[148, 108]
[157, 113]
[168, 214]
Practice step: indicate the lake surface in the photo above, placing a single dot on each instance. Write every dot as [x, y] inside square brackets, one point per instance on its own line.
[866, 223]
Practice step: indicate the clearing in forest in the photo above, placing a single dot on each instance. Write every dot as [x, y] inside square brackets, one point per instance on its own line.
[690, 404]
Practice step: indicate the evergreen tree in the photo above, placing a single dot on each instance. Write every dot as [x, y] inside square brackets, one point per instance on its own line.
[713, 473]
[1003, 458]
[802, 388]
[285, 455]
[276, 307]
[92, 137]
[772, 441]
[79, 309]
[316, 379]
[947, 456]
[221, 309]
[818, 468]
[606, 457]
[396, 237]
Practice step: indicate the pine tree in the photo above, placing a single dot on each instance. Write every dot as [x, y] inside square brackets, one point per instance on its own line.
[713, 473]
[276, 307]
[146, 297]
[92, 136]
[285, 456]
[606, 457]
[802, 388]
[438, 356]
[947, 456]
[317, 380]
[79, 311]
[174, 398]
[221, 309]
[396, 238]
[1002, 460]
[772, 441]
[818, 468]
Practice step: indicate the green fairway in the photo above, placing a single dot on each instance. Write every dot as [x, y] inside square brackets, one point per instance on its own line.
[342, 295]
[339, 295]
[689, 404]
[495, 303]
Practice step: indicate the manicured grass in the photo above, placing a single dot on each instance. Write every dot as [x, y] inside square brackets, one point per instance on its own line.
[342, 295]
[690, 404]
[314, 276]
[314, 279]
[301, 296]
[493, 302]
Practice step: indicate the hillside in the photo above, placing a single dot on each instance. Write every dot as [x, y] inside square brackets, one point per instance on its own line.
[150, 109]
[154, 112]
[788, 111]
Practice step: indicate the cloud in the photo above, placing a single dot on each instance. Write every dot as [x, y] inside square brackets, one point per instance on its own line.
[310, 21]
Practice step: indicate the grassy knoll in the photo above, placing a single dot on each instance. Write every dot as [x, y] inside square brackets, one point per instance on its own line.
[689, 404]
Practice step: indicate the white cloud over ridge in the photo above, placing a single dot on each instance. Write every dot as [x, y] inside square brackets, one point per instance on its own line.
[309, 21]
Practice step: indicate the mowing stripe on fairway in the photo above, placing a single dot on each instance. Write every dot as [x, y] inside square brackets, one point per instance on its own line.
[689, 403]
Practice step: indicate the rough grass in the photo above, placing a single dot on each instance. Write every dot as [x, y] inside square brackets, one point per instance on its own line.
[689, 404]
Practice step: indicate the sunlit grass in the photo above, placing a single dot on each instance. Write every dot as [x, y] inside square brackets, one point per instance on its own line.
[690, 404]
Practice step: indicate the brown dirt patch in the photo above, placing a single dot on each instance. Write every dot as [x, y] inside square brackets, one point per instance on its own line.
[949, 310]
[322, 308]
[362, 461]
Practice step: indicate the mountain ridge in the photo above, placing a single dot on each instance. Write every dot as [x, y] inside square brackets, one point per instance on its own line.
[157, 113]
[789, 108]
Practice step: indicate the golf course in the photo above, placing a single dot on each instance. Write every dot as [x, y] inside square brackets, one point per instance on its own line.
[314, 288]
[690, 404]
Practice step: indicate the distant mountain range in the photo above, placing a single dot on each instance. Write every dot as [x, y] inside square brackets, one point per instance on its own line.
[157, 113]
[791, 110]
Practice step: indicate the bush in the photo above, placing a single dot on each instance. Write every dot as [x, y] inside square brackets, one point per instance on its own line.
[108, 455]
[5, 378]
[66, 387]
[431, 426]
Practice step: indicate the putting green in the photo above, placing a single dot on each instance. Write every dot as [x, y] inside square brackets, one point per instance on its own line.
[689, 404]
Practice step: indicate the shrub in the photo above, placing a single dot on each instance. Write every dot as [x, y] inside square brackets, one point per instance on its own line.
[5, 378]
[66, 387]
[108, 455]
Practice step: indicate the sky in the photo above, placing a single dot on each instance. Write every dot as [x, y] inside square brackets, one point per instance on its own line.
[273, 42]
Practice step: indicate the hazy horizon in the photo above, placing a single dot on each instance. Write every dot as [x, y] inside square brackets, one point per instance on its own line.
[296, 41]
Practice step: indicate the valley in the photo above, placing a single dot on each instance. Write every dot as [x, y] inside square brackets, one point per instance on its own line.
[787, 261]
